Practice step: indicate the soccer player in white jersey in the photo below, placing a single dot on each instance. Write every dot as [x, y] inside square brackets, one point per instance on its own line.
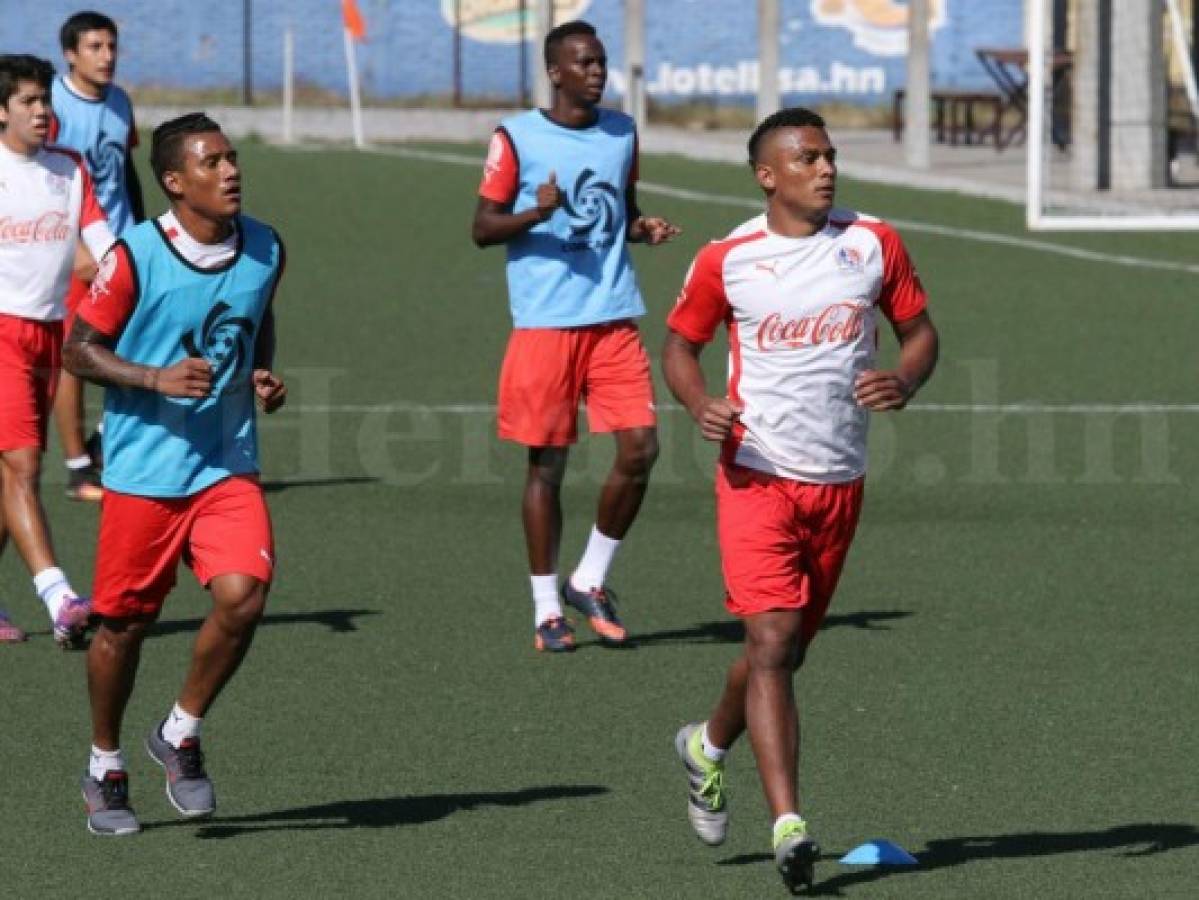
[798, 289]
[46, 204]
[94, 117]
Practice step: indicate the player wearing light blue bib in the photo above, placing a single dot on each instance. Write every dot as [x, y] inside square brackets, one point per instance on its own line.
[102, 130]
[93, 117]
[573, 268]
[559, 191]
[177, 446]
[178, 327]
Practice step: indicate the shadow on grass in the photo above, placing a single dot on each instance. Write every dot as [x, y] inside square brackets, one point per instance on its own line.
[287, 484]
[1128, 841]
[338, 621]
[385, 812]
[732, 631]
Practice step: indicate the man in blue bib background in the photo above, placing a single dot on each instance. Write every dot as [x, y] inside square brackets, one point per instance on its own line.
[178, 327]
[94, 117]
[559, 189]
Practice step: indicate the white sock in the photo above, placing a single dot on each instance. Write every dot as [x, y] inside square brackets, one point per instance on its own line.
[102, 761]
[545, 598]
[179, 726]
[76, 463]
[712, 753]
[785, 819]
[54, 589]
[593, 567]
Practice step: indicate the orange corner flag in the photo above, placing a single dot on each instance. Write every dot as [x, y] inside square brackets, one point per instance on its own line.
[352, 17]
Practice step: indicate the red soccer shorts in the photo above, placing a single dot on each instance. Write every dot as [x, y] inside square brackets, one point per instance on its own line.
[547, 371]
[223, 530]
[30, 360]
[783, 542]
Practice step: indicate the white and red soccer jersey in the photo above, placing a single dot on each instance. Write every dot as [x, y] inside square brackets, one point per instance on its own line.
[46, 204]
[801, 326]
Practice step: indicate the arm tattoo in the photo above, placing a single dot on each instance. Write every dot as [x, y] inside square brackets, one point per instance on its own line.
[88, 354]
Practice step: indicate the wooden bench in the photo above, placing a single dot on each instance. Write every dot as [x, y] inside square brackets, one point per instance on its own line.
[954, 115]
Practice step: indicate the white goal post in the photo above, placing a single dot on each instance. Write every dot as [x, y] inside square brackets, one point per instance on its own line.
[1139, 216]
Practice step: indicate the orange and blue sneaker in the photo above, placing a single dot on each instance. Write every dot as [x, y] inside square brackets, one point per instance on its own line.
[554, 635]
[599, 606]
[84, 484]
[795, 854]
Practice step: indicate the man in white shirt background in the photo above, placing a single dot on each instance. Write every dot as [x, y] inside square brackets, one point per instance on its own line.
[47, 204]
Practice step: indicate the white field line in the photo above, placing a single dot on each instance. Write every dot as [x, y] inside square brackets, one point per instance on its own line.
[472, 409]
[965, 234]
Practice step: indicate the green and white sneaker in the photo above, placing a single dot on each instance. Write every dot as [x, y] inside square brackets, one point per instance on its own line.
[707, 808]
[795, 854]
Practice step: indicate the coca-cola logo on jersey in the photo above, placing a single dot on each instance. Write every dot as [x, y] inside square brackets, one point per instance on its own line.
[47, 228]
[839, 323]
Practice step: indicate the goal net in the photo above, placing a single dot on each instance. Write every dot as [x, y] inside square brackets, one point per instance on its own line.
[1112, 116]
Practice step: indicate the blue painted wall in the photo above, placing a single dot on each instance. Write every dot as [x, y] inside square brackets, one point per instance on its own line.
[695, 48]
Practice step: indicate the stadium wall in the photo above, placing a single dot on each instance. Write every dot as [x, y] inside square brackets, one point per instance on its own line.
[848, 51]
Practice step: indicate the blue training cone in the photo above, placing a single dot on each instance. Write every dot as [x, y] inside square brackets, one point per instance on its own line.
[878, 853]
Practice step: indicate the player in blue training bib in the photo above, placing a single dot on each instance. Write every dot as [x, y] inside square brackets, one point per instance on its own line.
[559, 191]
[178, 327]
[92, 116]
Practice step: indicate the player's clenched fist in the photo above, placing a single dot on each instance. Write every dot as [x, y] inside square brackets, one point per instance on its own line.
[653, 230]
[716, 417]
[190, 377]
[269, 390]
[549, 197]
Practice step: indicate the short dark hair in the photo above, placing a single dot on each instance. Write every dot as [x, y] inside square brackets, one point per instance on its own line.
[792, 117]
[559, 33]
[16, 67]
[166, 143]
[73, 28]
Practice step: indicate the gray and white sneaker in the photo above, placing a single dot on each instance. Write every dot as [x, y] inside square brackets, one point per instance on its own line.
[795, 854]
[188, 787]
[707, 808]
[107, 799]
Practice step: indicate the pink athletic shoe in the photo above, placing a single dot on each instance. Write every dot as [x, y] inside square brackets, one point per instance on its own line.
[9, 633]
[71, 623]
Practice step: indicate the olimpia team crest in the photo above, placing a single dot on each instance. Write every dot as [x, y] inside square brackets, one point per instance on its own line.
[498, 21]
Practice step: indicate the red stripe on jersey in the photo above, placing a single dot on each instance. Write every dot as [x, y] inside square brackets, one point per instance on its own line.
[89, 207]
[703, 303]
[902, 296]
[501, 171]
[113, 294]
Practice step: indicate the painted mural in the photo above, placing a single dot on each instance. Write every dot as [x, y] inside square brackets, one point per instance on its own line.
[848, 51]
